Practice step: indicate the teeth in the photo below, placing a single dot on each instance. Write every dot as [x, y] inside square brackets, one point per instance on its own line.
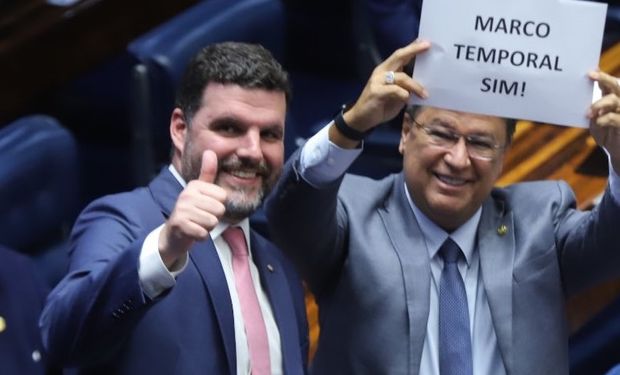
[243, 174]
[451, 180]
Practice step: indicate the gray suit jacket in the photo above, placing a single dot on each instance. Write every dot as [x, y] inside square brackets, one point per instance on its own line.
[361, 250]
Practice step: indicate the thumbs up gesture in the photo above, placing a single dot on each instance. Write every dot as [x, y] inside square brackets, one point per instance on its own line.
[196, 212]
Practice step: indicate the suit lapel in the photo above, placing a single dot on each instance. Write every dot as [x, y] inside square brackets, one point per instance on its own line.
[408, 242]
[275, 284]
[165, 190]
[204, 257]
[496, 264]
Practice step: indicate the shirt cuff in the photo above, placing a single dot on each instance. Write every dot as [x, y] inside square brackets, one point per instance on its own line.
[614, 183]
[155, 278]
[322, 162]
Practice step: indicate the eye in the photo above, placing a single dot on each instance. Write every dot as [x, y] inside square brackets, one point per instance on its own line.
[442, 135]
[482, 144]
[227, 129]
[272, 135]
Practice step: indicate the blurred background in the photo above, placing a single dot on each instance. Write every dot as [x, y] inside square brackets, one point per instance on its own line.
[87, 88]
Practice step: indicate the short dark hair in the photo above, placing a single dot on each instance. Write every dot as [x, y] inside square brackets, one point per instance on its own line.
[511, 124]
[247, 65]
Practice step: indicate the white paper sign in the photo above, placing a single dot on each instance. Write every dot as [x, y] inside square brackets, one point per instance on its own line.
[522, 59]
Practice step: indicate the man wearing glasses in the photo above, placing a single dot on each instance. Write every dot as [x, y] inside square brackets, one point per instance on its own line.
[433, 270]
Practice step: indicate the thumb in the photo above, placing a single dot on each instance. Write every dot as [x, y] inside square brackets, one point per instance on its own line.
[208, 168]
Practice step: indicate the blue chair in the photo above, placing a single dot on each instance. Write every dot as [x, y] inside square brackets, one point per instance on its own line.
[614, 371]
[38, 191]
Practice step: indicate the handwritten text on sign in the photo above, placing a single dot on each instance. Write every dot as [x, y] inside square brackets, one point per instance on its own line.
[522, 59]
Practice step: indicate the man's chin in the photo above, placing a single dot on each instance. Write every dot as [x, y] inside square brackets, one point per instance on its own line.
[237, 211]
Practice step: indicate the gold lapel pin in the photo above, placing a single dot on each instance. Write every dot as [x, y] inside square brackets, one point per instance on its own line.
[270, 268]
[502, 230]
[2, 324]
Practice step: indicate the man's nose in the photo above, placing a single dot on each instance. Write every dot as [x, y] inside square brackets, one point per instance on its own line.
[250, 146]
[457, 155]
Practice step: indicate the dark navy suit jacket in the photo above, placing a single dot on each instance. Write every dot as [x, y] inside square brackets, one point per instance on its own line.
[99, 320]
[21, 299]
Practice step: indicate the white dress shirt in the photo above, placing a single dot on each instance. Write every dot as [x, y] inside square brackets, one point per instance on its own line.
[322, 162]
[155, 278]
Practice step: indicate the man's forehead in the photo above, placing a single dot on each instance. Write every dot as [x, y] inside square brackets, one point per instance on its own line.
[441, 112]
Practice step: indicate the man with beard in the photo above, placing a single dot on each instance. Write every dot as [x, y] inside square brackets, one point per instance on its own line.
[159, 279]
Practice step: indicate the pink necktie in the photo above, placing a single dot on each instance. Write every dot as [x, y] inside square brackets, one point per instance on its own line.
[250, 309]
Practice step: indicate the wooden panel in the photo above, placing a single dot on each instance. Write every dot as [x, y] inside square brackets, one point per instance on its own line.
[44, 46]
[312, 310]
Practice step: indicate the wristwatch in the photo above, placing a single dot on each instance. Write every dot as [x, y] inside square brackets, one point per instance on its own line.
[345, 129]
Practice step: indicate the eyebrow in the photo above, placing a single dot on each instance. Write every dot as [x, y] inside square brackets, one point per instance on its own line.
[232, 120]
[450, 127]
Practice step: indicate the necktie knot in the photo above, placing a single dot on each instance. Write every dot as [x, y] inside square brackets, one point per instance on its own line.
[236, 240]
[450, 251]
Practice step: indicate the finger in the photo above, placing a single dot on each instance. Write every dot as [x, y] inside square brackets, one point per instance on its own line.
[411, 85]
[608, 103]
[204, 212]
[214, 191]
[204, 219]
[610, 119]
[211, 204]
[404, 55]
[394, 92]
[607, 83]
[208, 168]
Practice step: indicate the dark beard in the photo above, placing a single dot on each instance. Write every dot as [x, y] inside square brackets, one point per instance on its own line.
[236, 209]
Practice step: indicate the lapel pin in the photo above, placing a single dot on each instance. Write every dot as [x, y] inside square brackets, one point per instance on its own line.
[2, 324]
[502, 230]
[270, 267]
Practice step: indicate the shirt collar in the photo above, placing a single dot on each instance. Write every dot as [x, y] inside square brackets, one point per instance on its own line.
[177, 175]
[434, 236]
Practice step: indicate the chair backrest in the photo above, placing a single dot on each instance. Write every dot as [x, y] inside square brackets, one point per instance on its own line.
[38, 184]
[595, 347]
[163, 53]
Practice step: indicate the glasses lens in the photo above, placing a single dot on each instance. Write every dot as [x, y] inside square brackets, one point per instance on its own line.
[477, 148]
[441, 137]
[481, 149]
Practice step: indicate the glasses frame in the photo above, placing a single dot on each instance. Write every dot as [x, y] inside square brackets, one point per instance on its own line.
[456, 138]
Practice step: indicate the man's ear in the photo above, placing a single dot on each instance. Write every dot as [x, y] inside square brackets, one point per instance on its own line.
[178, 129]
[406, 128]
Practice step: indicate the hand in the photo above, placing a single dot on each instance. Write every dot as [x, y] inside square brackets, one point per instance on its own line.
[196, 212]
[605, 116]
[381, 101]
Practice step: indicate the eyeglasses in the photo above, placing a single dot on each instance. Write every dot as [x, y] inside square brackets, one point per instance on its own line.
[477, 147]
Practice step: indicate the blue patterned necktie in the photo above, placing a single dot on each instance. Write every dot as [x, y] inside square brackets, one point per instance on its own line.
[454, 338]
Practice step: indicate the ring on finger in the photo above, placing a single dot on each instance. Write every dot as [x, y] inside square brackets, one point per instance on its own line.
[389, 77]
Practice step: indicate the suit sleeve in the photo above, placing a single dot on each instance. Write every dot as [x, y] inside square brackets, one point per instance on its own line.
[93, 309]
[589, 250]
[306, 224]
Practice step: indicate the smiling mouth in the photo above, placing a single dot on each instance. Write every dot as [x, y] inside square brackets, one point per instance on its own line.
[449, 180]
[244, 174]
